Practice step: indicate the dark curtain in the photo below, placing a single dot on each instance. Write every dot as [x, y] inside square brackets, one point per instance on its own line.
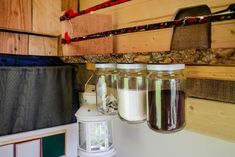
[35, 97]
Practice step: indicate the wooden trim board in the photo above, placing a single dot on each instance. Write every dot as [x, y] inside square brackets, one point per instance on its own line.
[211, 72]
[211, 118]
[218, 90]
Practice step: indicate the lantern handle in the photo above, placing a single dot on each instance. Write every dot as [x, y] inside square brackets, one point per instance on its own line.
[88, 81]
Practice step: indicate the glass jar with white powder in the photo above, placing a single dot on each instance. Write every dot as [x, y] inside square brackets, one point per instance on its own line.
[132, 92]
[106, 88]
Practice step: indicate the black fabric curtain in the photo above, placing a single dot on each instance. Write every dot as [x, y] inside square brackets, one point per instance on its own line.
[35, 97]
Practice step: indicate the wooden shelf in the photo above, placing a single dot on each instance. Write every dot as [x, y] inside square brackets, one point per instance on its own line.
[2, 29]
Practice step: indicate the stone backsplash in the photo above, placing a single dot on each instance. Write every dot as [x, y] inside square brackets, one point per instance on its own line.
[191, 56]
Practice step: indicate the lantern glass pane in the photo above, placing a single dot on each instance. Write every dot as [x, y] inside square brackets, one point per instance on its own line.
[82, 136]
[100, 136]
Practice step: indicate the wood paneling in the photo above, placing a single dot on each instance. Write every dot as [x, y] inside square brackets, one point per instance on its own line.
[13, 43]
[69, 4]
[211, 118]
[138, 12]
[43, 46]
[211, 72]
[40, 16]
[147, 11]
[158, 40]
[88, 24]
[223, 34]
[16, 14]
[217, 90]
[46, 15]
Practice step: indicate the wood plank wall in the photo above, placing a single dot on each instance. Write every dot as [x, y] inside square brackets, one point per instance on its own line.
[138, 12]
[40, 16]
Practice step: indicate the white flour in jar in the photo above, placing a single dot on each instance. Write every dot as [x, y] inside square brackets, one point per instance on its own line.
[132, 104]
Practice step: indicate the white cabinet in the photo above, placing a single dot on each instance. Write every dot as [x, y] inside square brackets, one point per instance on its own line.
[7, 151]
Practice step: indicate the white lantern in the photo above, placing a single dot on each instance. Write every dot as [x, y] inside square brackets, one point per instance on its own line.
[95, 133]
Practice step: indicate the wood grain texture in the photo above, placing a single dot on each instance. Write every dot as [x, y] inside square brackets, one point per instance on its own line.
[46, 15]
[43, 46]
[69, 4]
[223, 34]
[211, 72]
[16, 14]
[143, 42]
[13, 43]
[88, 24]
[211, 118]
[139, 12]
[217, 90]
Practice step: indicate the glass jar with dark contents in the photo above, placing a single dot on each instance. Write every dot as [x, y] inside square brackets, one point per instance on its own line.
[166, 97]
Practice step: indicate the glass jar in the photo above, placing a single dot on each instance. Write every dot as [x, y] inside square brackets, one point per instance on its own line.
[132, 92]
[166, 97]
[106, 88]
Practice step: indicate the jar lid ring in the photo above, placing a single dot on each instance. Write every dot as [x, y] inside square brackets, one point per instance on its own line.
[165, 67]
[131, 66]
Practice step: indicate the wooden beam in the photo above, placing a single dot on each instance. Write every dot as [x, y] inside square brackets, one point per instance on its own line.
[218, 90]
[13, 43]
[211, 118]
[211, 72]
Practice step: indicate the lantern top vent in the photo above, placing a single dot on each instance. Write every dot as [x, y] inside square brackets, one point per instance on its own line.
[89, 113]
